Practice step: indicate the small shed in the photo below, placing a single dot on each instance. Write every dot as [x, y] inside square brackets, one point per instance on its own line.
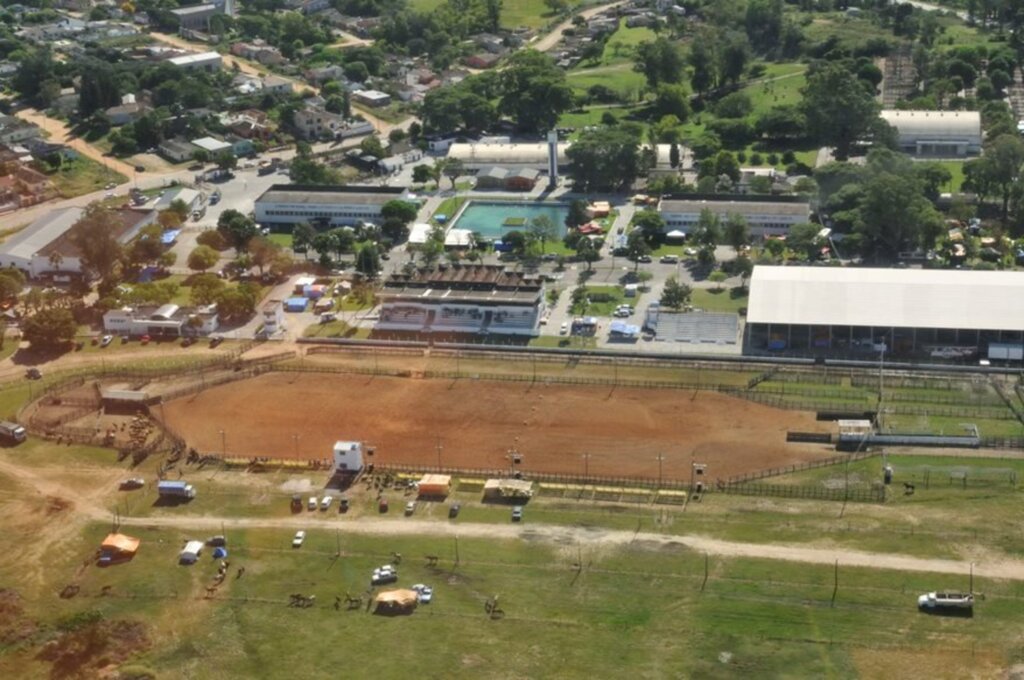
[302, 282]
[435, 486]
[295, 304]
[348, 457]
[125, 402]
[522, 180]
[620, 330]
[190, 553]
[314, 292]
[599, 209]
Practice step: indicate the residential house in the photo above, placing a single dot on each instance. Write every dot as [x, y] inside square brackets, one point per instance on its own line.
[322, 74]
[176, 149]
[523, 179]
[170, 320]
[491, 177]
[483, 60]
[14, 130]
[66, 102]
[374, 98]
[200, 61]
[196, 17]
[21, 186]
[249, 124]
[258, 51]
[128, 111]
[277, 85]
[40, 148]
[494, 44]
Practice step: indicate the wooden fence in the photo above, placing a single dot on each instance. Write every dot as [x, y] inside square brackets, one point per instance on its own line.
[818, 493]
[798, 467]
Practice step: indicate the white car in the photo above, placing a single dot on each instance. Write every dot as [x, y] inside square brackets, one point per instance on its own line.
[312, 503]
[424, 593]
[106, 340]
[564, 330]
[385, 574]
[325, 502]
[410, 508]
[946, 601]
[690, 251]
[300, 537]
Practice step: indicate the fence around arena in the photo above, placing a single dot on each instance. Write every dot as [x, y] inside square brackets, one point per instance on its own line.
[799, 467]
[530, 475]
[818, 493]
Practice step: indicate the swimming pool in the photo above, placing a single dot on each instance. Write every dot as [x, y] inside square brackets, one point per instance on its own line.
[494, 219]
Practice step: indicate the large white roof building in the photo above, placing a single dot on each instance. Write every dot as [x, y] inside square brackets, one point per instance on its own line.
[937, 133]
[904, 309]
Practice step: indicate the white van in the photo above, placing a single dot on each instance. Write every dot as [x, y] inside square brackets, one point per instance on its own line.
[312, 503]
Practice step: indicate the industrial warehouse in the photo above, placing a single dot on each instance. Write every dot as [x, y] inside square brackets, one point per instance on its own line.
[903, 313]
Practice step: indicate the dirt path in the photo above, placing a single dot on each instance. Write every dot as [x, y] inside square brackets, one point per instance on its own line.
[88, 508]
[554, 36]
[61, 134]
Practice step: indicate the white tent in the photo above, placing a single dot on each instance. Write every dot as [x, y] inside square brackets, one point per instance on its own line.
[676, 234]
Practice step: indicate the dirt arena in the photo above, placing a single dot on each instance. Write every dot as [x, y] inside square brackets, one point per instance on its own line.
[281, 415]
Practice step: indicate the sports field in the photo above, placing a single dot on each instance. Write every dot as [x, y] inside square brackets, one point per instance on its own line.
[476, 423]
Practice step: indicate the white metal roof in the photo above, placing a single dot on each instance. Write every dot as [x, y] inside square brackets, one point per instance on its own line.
[917, 123]
[210, 144]
[909, 298]
[195, 58]
[41, 233]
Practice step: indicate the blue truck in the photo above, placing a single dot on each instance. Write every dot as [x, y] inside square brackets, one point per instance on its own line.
[177, 489]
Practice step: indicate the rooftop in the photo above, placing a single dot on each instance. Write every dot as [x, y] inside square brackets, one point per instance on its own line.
[329, 195]
[907, 298]
[465, 282]
[210, 144]
[923, 122]
[694, 205]
[198, 57]
[125, 225]
[41, 233]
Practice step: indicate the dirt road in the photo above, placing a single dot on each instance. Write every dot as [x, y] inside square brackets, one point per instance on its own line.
[61, 134]
[554, 36]
[88, 509]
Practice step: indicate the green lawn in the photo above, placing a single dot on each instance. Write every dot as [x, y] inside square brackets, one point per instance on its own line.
[449, 207]
[621, 45]
[283, 240]
[771, 93]
[621, 78]
[83, 176]
[956, 169]
[722, 300]
[618, 297]
[593, 116]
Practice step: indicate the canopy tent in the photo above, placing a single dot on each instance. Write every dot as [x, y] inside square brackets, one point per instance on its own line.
[508, 488]
[220, 553]
[676, 234]
[435, 485]
[121, 543]
[396, 600]
[591, 228]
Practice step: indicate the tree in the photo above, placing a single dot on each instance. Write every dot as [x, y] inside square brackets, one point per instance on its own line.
[660, 61]
[675, 295]
[12, 282]
[373, 146]
[838, 107]
[650, 223]
[202, 258]
[49, 328]
[236, 228]
[92, 235]
[35, 69]
[737, 232]
[302, 238]
[262, 251]
[452, 168]
[702, 61]
[533, 91]
[606, 159]
[577, 215]
[168, 219]
[368, 261]
[717, 277]
[236, 303]
[404, 211]
[673, 155]
[895, 216]
[542, 229]
[556, 6]
[671, 100]
[587, 251]
[305, 170]
[226, 160]
[637, 248]
[212, 238]
[98, 89]
[803, 239]
[708, 230]
[205, 288]
[147, 247]
[180, 207]
[421, 174]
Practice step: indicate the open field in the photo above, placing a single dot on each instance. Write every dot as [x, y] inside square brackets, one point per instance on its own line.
[476, 423]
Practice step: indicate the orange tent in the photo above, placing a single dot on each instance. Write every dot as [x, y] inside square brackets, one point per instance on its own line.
[396, 600]
[121, 543]
[435, 485]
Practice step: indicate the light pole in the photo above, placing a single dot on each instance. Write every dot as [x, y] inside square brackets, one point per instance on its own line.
[586, 465]
[224, 442]
[295, 444]
[661, 459]
[439, 454]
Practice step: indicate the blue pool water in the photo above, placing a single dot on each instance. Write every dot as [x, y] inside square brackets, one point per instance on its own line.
[488, 217]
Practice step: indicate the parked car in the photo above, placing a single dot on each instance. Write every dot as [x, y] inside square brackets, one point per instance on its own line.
[946, 601]
[385, 574]
[343, 504]
[132, 484]
[453, 510]
[300, 538]
[215, 340]
[410, 508]
[325, 503]
[645, 259]
[690, 251]
[217, 541]
[106, 340]
[424, 593]
[34, 374]
[517, 513]
[669, 259]
[188, 342]
[312, 503]
[564, 330]
[382, 505]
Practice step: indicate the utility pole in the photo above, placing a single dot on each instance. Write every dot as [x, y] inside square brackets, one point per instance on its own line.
[439, 454]
[224, 443]
[295, 444]
[661, 459]
[586, 465]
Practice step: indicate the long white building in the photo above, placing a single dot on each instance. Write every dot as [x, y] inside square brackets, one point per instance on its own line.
[474, 299]
[295, 203]
[765, 217]
[937, 133]
[937, 313]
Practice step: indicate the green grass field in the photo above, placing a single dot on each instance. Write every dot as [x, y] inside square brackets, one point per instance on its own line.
[514, 13]
[722, 300]
[83, 176]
